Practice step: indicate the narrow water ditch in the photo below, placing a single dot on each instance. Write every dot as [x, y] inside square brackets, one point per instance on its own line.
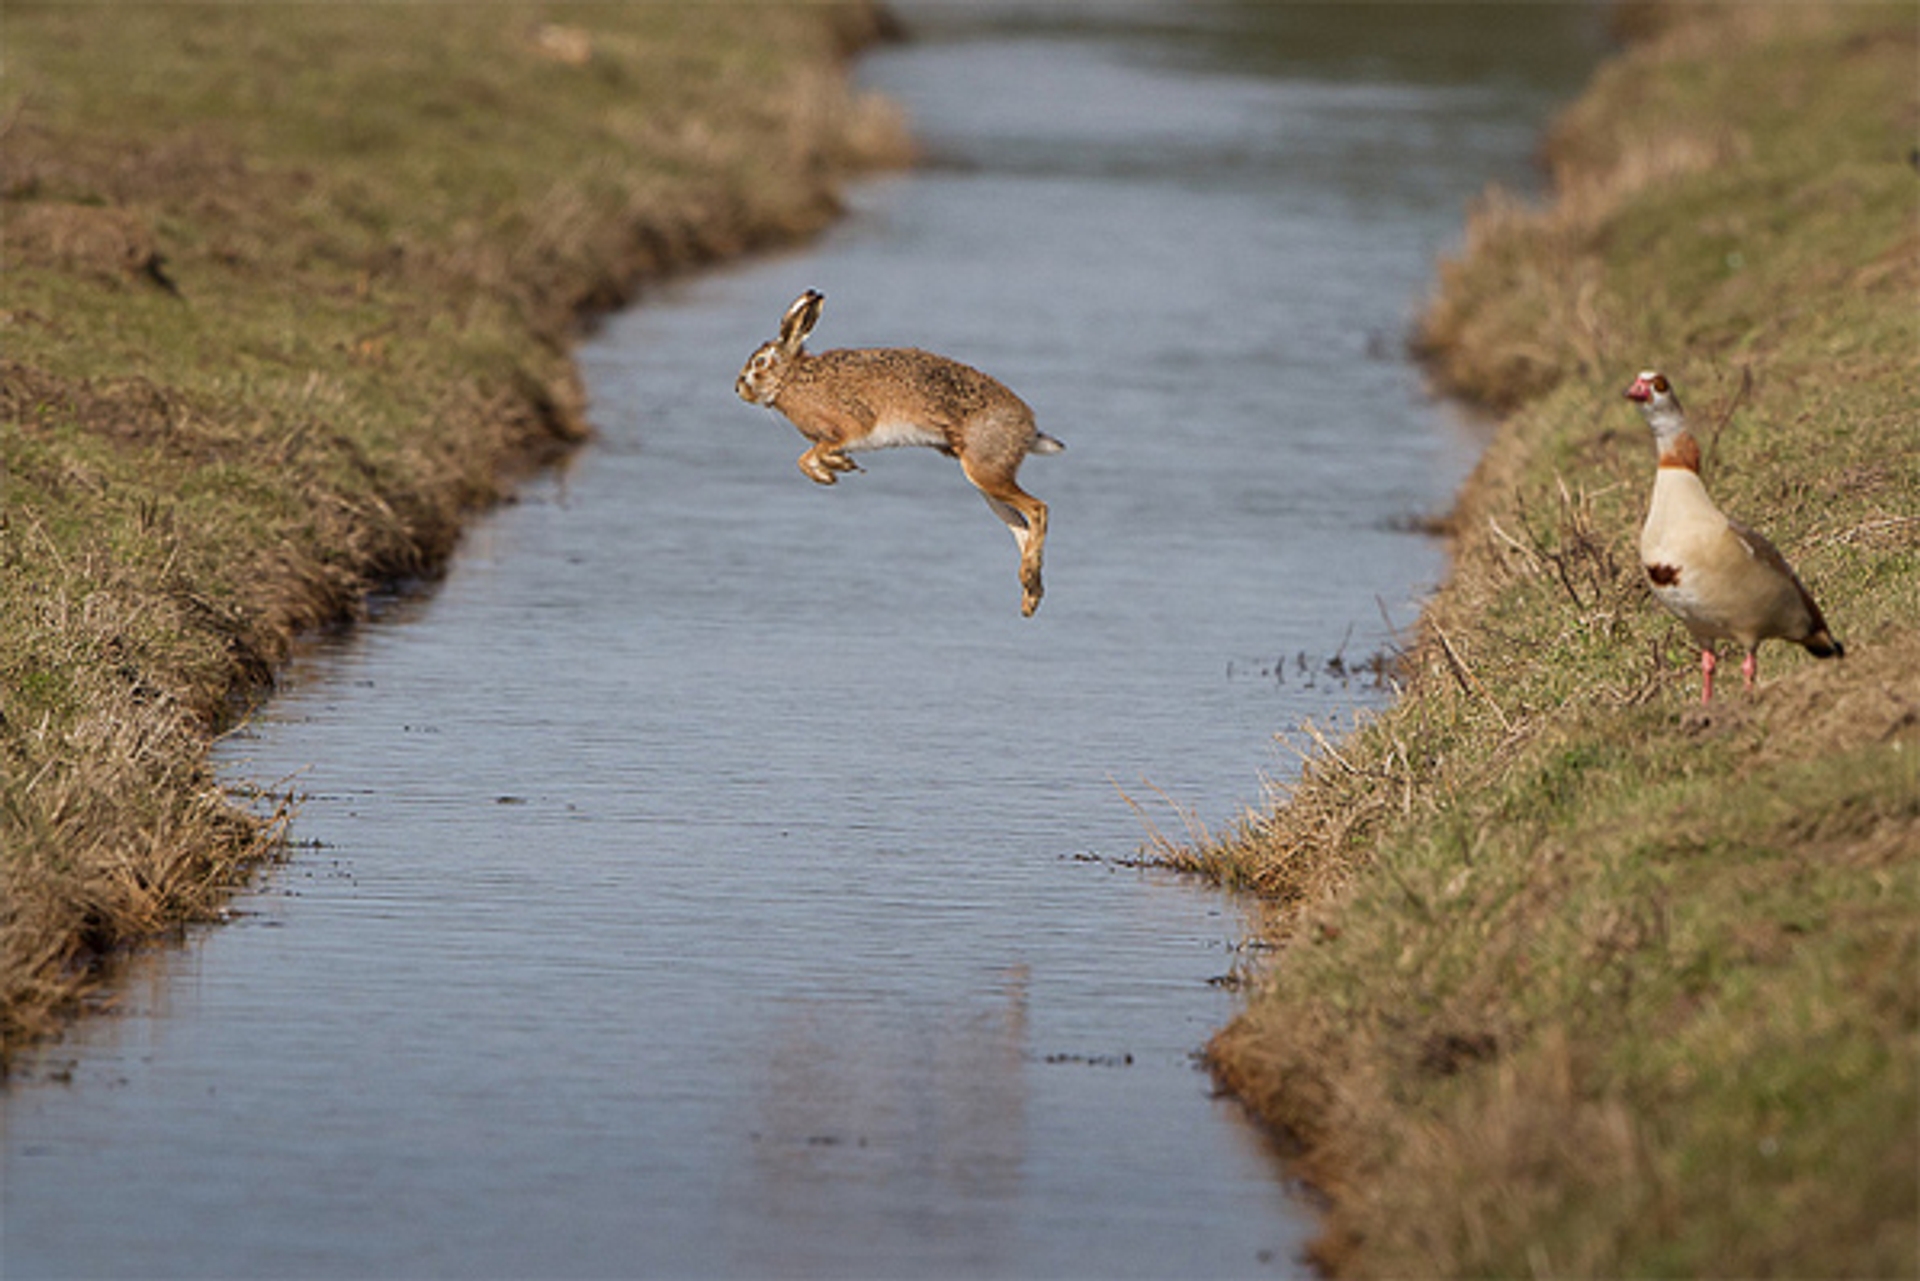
[716, 875]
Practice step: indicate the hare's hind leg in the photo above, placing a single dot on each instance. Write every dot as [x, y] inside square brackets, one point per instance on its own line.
[1026, 516]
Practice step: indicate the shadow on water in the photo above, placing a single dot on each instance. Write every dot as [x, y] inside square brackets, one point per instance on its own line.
[715, 875]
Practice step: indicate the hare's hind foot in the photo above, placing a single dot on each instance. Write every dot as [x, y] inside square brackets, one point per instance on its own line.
[1026, 519]
[1031, 589]
[821, 462]
[1030, 593]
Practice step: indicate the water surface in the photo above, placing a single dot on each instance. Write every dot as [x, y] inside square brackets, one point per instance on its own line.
[715, 875]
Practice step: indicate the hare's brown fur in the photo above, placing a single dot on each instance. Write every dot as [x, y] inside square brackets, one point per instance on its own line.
[846, 401]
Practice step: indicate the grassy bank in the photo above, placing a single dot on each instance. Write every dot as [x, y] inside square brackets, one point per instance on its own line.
[287, 292]
[1574, 977]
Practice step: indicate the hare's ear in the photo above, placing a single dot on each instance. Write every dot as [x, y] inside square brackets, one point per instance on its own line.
[800, 320]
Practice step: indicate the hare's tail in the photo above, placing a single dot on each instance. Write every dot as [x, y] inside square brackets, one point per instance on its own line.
[1045, 444]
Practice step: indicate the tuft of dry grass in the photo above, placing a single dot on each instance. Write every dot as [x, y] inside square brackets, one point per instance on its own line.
[1577, 977]
[288, 291]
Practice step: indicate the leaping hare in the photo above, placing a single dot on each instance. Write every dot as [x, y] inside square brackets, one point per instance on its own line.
[846, 401]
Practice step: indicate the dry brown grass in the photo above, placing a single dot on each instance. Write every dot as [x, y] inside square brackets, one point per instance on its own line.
[288, 294]
[1532, 309]
[1575, 977]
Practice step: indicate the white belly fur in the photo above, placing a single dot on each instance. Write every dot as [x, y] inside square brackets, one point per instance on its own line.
[892, 433]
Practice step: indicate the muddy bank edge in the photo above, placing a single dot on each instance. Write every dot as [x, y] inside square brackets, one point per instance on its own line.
[1575, 977]
[288, 293]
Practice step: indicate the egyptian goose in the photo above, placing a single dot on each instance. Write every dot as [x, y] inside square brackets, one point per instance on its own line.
[1721, 579]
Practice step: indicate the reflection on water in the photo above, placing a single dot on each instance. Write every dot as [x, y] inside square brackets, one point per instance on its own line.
[940, 1132]
[716, 875]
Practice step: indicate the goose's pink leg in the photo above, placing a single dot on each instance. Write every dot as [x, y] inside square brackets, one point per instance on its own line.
[1707, 664]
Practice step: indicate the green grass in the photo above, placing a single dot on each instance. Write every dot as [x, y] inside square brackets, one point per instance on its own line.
[288, 291]
[1577, 978]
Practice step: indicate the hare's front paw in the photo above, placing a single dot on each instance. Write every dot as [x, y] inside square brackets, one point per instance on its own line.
[820, 465]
